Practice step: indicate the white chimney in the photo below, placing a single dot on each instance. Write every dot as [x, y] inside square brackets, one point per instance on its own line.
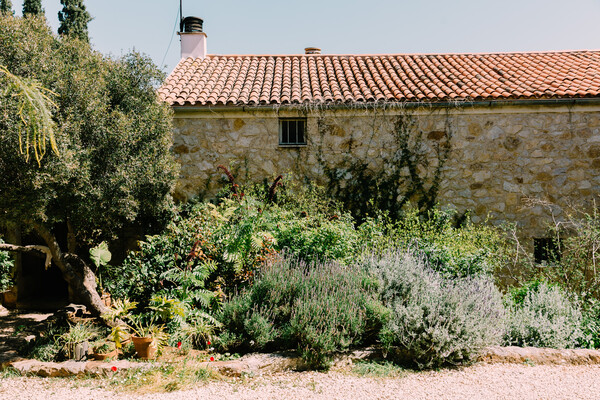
[193, 39]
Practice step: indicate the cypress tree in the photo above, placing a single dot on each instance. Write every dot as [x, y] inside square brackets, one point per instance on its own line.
[6, 7]
[74, 19]
[33, 7]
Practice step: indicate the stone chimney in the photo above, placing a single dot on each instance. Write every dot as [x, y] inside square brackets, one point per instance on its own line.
[312, 50]
[193, 39]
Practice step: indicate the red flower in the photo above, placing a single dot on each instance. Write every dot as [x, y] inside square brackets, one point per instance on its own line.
[208, 343]
[212, 359]
[179, 345]
[113, 368]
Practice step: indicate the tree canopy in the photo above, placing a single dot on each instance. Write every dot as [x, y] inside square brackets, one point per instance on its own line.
[112, 166]
[74, 19]
[33, 7]
[6, 7]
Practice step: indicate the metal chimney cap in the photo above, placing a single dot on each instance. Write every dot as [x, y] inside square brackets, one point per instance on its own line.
[312, 50]
[192, 24]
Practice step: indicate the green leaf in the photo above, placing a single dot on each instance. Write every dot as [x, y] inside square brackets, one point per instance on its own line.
[100, 254]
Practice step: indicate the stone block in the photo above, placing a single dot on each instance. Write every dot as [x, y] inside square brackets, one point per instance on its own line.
[511, 187]
[543, 177]
[584, 185]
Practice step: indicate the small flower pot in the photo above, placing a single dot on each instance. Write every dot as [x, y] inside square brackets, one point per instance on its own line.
[144, 347]
[106, 299]
[105, 356]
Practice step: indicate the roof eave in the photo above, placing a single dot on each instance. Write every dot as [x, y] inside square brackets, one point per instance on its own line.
[401, 105]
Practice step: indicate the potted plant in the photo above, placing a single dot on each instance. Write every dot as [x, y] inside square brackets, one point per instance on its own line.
[104, 350]
[148, 338]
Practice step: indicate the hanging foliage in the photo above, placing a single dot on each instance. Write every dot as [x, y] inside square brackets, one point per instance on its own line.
[35, 111]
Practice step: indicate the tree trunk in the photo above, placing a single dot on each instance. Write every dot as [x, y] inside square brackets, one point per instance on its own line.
[77, 273]
[71, 239]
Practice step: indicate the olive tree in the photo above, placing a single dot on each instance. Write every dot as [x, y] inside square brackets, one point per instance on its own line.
[111, 165]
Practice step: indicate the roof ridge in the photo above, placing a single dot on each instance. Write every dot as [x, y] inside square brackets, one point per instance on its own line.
[411, 54]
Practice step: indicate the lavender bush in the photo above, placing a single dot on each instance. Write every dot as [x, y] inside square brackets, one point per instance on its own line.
[317, 308]
[435, 320]
[544, 317]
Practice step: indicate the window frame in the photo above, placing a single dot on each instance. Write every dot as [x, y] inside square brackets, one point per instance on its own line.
[296, 143]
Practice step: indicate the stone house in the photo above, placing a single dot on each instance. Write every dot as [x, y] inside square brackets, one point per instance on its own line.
[478, 132]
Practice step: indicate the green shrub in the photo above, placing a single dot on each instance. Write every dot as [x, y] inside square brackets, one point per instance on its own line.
[435, 320]
[6, 271]
[334, 315]
[590, 324]
[451, 245]
[220, 247]
[545, 317]
[572, 253]
[575, 264]
[169, 264]
[318, 308]
[318, 237]
[518, 294]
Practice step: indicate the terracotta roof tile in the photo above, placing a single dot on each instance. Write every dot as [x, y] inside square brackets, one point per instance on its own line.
[316, 78]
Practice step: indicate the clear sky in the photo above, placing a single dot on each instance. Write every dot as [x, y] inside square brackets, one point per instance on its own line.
[342, 26]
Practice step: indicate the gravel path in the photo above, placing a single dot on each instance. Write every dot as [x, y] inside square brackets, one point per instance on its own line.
[482, 381]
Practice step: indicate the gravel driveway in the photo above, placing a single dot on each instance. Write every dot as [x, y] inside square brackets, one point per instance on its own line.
[482, 381]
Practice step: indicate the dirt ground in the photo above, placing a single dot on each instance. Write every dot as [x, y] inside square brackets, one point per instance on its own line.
[14, 328]
[482, 381]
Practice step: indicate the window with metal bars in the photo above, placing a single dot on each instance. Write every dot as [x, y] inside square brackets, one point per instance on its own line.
[546, 250]
[292, 132]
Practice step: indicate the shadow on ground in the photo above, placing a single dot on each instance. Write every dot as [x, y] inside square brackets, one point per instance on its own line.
[15, 328]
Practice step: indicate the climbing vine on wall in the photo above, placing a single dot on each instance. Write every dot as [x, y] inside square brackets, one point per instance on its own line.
[409, 171]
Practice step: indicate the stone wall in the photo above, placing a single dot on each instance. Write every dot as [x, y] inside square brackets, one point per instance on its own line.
[499, 156]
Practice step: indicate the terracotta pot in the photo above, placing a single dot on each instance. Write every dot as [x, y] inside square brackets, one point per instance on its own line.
[106, 299]
[104, 356]
[144, 347]
[10, 298]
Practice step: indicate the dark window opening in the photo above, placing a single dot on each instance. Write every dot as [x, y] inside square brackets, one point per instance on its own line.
[546, 250]
[292, 132]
